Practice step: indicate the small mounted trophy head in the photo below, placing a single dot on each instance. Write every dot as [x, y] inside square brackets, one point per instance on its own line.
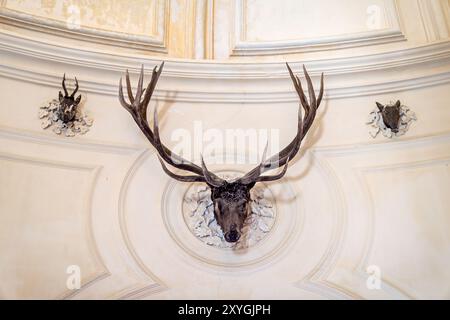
[68, 103]
[391, 115]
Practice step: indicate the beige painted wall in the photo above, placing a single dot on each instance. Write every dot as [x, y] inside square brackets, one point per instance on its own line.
[102, 202]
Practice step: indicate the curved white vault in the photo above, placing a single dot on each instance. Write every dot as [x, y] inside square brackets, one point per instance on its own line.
[101, 201]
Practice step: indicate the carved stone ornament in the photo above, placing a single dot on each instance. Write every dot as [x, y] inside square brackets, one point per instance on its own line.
[64, 115]
[392, 120]
[199, 217]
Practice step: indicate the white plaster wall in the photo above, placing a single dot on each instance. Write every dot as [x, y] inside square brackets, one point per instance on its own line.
[348, 202]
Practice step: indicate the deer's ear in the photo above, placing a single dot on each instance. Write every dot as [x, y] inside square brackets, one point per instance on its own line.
[78, 99]
[398, 104]
[61, 97]
[217, 207]
[380, 106]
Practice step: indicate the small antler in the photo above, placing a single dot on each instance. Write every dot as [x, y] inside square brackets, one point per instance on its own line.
[66, 94]
[76, 88]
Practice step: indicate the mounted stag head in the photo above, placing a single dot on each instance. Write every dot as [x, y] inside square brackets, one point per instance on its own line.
[391, 115]
[67, 103]
[230, 198]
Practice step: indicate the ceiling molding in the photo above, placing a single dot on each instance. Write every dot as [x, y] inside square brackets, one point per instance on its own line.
[185, 68]
[236, 97]
[29, 60]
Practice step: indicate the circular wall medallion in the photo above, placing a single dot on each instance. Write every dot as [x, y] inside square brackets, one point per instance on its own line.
[188, 216]
[198, 213]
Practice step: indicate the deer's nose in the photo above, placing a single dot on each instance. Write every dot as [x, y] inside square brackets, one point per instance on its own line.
[232, 236]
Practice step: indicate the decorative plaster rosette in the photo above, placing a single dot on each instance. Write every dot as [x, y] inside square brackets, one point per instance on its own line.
[377, 125]
[48, 114]
[199, 217]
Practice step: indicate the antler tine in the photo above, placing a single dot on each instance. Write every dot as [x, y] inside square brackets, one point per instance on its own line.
[150, 88]
[319, 98]
[64, 85]
[298, 88]
[136, 106]
[211, 178]
[312, 95]
[130, 93]
[181, 178]
[76, 88]
[277, 176]
[248, 179]
[124, 104]
[310, 118]
[139, 91]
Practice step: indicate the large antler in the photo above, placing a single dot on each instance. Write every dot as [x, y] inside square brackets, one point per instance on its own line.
[138, 109]
[304, 124]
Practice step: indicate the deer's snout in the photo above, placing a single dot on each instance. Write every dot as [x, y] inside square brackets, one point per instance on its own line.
[233, 235]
